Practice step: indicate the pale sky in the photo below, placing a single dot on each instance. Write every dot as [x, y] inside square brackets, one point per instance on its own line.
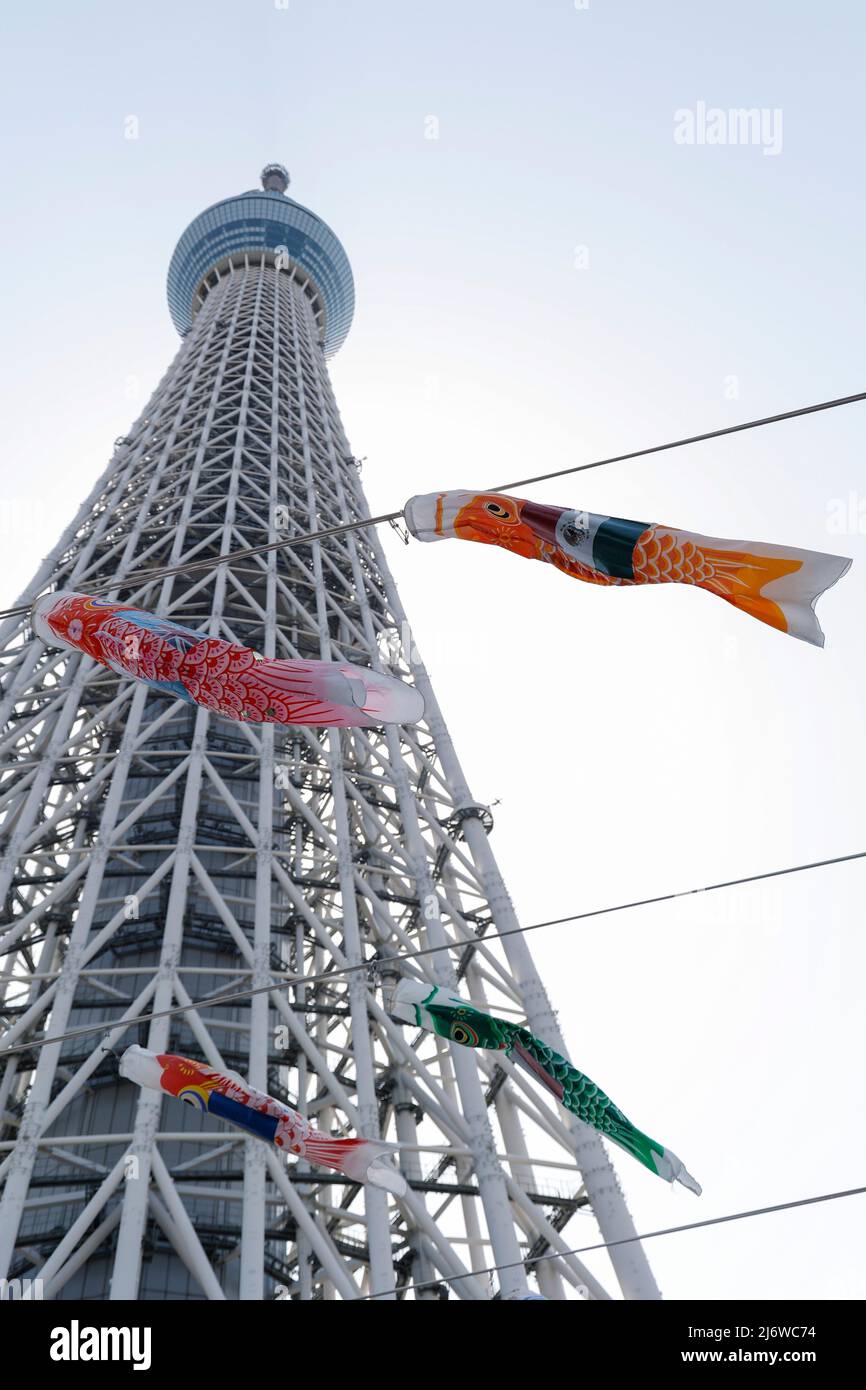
[553, 278]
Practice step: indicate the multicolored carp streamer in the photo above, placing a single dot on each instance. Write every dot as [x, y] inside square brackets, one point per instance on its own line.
[230, 1097]
[434, 1008]
[776, 584]
[233, 681]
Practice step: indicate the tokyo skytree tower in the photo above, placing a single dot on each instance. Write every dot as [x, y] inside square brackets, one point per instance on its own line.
[156, 855]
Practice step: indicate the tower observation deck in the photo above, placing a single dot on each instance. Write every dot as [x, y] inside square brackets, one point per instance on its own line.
[265, 221]
[155, 855]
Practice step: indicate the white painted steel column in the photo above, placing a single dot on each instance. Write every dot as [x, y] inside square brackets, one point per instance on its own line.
[375, 1200]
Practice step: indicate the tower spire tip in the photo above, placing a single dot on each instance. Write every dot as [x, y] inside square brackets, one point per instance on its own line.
[275, 178]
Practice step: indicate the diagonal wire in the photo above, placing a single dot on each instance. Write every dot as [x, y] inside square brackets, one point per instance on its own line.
[693, 439]
[629, 1240]
[137, 576]
[384, 962]
[132, 577]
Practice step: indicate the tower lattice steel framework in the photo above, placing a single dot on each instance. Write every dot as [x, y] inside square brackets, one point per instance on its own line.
[155, 854]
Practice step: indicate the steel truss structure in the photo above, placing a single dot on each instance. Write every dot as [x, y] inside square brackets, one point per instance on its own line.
[155, 854]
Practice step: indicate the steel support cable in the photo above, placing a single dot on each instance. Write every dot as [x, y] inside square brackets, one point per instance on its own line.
[630, 1240]
[693, 439]
[382, 964]
[139, 576]
[126, 581]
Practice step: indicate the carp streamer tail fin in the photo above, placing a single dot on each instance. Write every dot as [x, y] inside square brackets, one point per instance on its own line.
[778, 585]
[362, 1160]
[583, 1098]
[652, 1155]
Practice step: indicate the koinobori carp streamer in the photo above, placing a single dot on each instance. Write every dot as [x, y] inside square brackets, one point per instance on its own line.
[232, 680]
[231, 1098]
[777, 584]
[432, 1007]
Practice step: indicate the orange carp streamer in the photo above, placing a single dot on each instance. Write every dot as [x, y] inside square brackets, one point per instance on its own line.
[777, 584]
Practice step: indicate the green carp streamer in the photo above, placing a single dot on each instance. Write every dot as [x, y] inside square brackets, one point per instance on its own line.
[446, 1014]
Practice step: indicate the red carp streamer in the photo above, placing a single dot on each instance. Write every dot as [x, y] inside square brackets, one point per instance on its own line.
[229, 679]
[232, 1099]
